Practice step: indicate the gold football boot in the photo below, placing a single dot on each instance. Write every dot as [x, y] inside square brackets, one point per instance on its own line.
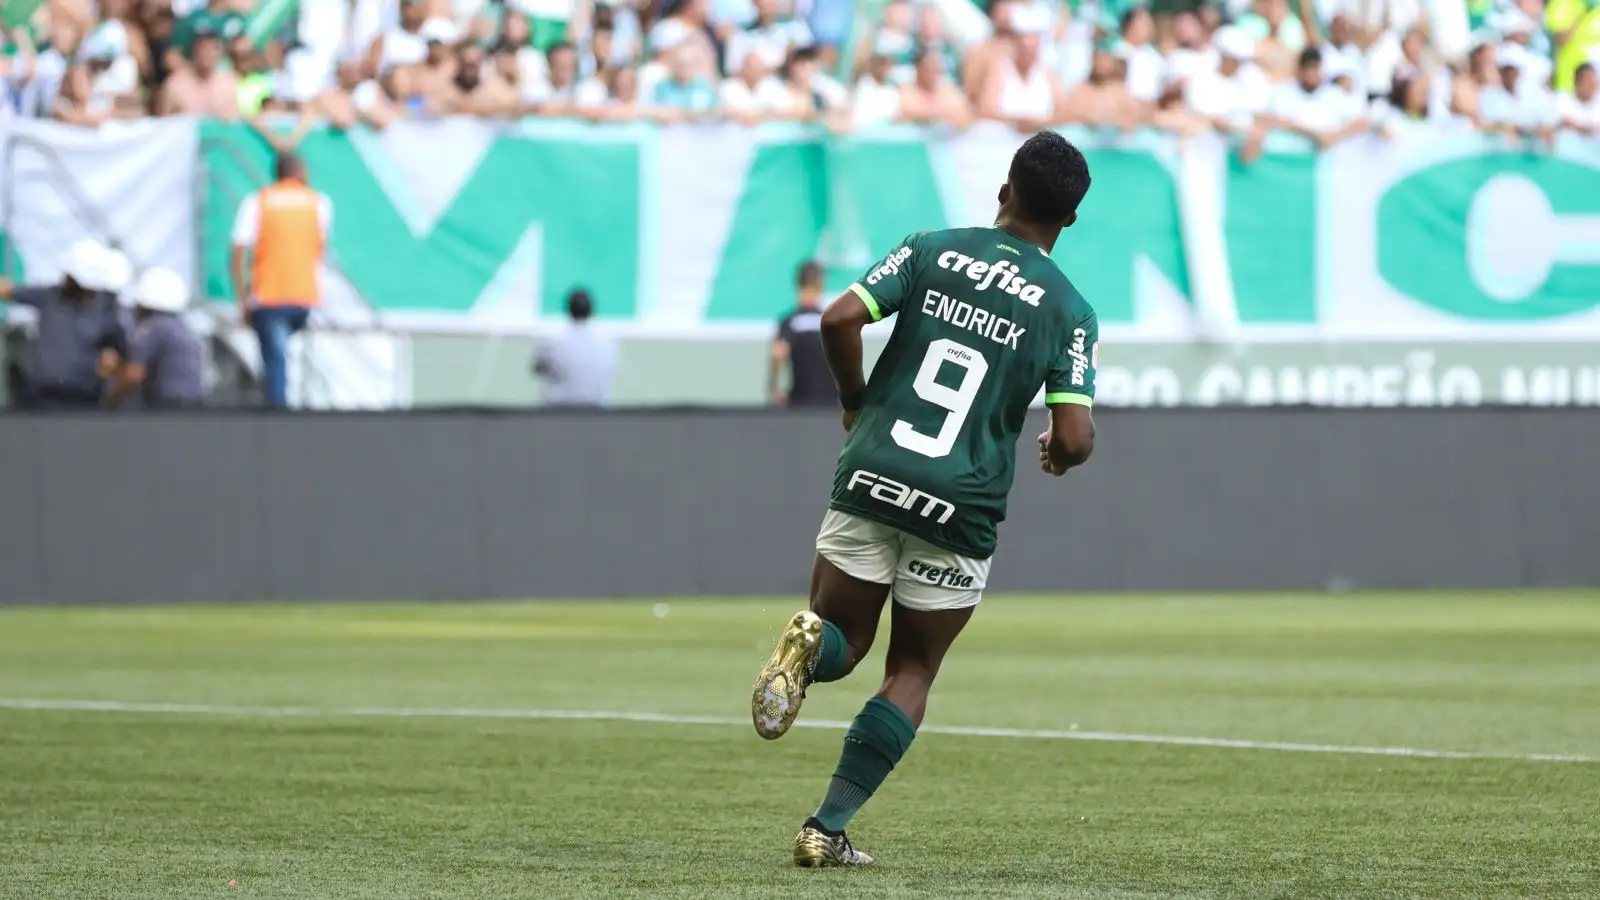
[816, 850]
[782, 685]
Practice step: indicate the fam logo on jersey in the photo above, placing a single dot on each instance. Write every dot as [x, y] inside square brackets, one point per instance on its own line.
[900, 496]
[891, 265]
[1080, 360]
[947, 576]
[1002, 274]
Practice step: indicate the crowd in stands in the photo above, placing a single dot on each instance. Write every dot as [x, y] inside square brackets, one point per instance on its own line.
[1326, 69]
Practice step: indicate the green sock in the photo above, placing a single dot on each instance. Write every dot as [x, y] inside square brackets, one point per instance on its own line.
[833, 655]
[880, 735]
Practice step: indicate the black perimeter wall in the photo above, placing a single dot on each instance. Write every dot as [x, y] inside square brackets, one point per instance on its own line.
[244, 507]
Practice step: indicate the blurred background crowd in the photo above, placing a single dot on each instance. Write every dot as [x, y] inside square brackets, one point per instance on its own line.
[1323, 68]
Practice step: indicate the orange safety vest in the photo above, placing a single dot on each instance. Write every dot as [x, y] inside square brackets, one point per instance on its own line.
[288, 245]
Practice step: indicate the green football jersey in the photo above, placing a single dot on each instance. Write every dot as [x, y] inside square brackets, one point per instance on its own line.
[983, 320]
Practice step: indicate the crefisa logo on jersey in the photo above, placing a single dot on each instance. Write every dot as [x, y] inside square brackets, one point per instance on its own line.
[1003, 275]
[898, 495]
[947, 576]
[1080, 359]
[891, 265]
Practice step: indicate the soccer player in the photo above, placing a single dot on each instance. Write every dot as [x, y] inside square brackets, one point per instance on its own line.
[984, 318]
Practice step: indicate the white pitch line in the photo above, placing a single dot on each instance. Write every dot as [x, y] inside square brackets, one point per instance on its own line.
[402, 712]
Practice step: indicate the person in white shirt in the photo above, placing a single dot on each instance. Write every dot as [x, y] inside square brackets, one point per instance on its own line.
[875, 99]
[1517, 108]
[1341, 53]
[767, 36]
[1231, 96]
[754, 94]
[1146, 66]
[1192, 54]
[1580, 110]
[1020, 89]
[1313, 108]
[402, 46]
[577, 367]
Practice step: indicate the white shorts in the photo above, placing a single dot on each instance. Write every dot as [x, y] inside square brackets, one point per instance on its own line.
[921, 575]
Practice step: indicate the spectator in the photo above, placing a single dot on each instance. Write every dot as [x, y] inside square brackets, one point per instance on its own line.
[688, 20]
[112, 69]
[874, 100]
[1192, 54]
[49, 70]
[119, 36]
[400, 46]
[1279, 37]
[1575, 29]
[1104, 101]
[930, 40]
[432, 78]
[576, 367]
[1580, 108]
[285, 229]
[812, 95]
[160, 32]
[80, 337]
[893, 37]
[773, 39]
[1145, 64]
[257, 82]
[1020, 89]
[982, 58]
[217, 18]
[687, 94]
[601, 51]
[559, 93]
[931, 97]
[164, 358]
[1311, 107]
[1482, 75]
[474, 93]
[1341, 53]
[754, 95]
[531, 61]
[1407, 115]
[622, 98]
[798, 346]
[1517, 108]
[354, 99]
[1230, 97]
[1518, 48]
[203, 88]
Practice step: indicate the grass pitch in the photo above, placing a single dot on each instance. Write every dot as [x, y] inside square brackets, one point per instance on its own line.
[334, 772]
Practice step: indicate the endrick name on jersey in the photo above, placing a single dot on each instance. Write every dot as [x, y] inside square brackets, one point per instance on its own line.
[962, 314]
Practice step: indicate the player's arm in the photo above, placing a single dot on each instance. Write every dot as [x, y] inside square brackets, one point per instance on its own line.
[1069, 394]
[1069, 440]
[879, 293]
[842, 322]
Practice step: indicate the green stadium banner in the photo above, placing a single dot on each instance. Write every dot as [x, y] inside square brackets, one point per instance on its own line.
[463, 226]
[1434, 268]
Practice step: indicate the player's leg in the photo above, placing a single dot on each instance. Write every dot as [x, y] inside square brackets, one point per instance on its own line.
[850, 580]
[935, 595]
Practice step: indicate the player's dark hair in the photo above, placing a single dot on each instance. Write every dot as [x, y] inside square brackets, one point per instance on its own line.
[1048, 178]
[809, 275]
[1310, 56]
[579, 306]
[289, 166]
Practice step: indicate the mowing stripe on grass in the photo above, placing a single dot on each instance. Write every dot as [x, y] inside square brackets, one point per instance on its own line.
[402, 712]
